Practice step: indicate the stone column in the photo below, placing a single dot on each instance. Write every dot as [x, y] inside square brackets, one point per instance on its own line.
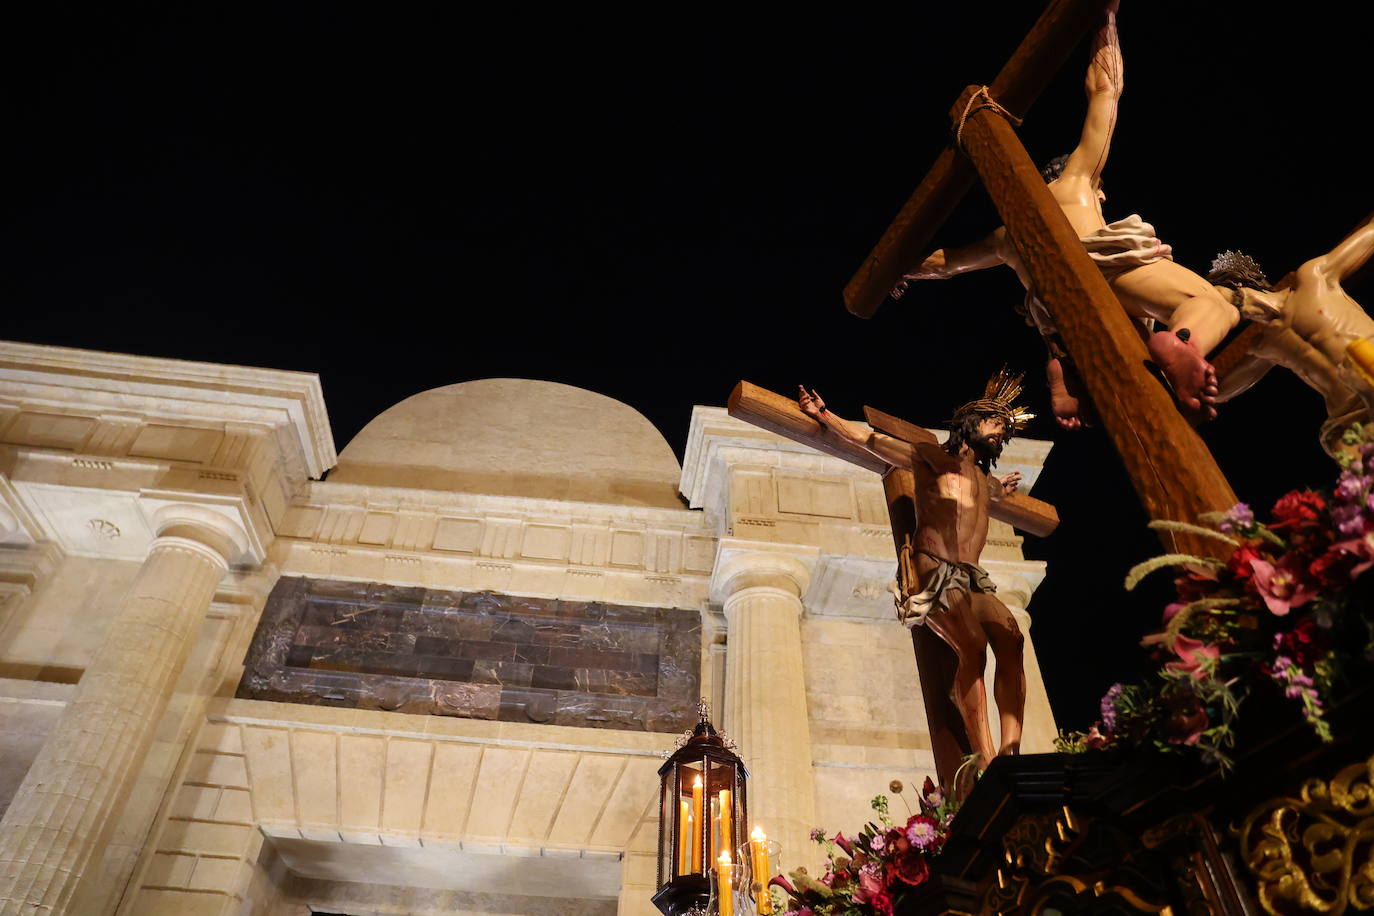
[76, 784]
[765, 694]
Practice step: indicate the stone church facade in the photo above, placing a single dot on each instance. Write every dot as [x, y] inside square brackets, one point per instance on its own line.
[437, 672]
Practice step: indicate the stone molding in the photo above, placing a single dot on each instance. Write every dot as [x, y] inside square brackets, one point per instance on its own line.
[633, 555]
[118, 387]
[357, 776]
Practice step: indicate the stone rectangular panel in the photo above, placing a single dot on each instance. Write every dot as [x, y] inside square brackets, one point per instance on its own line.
[478, 655]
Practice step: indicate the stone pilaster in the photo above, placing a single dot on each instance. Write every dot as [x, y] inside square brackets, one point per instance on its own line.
[76, 784]
[765, 689]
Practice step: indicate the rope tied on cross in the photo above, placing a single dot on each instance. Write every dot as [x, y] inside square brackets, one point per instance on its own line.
[981, 100]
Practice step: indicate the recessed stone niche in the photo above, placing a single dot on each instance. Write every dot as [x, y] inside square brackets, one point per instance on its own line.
[479, 655]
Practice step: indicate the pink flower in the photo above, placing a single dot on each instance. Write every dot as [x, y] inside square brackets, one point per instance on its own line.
[1196, 658]
[870, 885]
[780, 881]
[877, 843]
[922, 831]
[1280, 588]
[844, 844]
[1094, 740]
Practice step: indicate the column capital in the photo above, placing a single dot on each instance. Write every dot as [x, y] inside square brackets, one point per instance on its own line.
[214, 529]
[745, 564]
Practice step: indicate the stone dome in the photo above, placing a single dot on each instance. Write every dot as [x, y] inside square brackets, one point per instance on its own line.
[516, 437]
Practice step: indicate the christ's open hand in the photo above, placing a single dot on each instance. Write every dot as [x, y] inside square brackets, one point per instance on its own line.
[1010, 483]
[810, 403]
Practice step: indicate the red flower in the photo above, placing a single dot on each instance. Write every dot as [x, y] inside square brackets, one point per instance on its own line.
[1241, 562]
[1304, 643]
[1195, 585]
[1298, 508]
[1186, 719]
[909, 867]
[882, 903]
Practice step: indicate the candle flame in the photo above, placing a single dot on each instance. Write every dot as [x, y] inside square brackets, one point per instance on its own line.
[696, 782]
[757, 833]
[724, 858]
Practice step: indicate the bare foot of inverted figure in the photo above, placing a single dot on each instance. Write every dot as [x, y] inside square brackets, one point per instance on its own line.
[1190, 376]
[1071, 407]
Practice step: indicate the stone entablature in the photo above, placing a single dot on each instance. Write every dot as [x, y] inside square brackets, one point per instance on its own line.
[553, 548]
[94, 447]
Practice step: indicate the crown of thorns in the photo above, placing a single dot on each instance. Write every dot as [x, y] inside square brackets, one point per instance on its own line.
[997, 400]
[1235, 268]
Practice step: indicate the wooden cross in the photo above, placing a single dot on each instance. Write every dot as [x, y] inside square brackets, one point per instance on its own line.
[935, 661]
[1173, 472]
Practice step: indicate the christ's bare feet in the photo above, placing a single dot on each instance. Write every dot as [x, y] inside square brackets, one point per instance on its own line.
[1071, 408]
[1192, 378]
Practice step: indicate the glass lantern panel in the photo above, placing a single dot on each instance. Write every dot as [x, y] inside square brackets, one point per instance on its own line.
[667, 828]
[725, 800]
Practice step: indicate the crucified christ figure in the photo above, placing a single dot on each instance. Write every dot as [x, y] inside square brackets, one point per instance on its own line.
[940, 584]
[1306, 323]
[1139, 268]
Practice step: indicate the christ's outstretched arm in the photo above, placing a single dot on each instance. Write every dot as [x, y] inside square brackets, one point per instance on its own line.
[894, 451]
[1103, 84]
[950, 262]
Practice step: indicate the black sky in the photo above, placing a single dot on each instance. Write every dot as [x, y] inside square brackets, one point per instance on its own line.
[652, 204]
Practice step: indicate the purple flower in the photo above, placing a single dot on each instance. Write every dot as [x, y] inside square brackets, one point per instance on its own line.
[1108, 705]
[1349, 520]
[1237, 518]
[878, 843]
[817, 834]
[1351, 487]
[921, 832]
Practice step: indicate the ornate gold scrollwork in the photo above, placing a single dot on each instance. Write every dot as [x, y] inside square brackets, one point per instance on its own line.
[1315, 853]
[1032, 846]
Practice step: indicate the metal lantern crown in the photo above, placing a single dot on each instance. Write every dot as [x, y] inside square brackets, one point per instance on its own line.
[703, 812]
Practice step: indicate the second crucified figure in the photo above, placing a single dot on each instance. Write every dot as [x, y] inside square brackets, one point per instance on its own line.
[941, 586]
[1139, 268]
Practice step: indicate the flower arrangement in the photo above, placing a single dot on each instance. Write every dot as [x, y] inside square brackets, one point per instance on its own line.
[1287, 611]
[867, 874]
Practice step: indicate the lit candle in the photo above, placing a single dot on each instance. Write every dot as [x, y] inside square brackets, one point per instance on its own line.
[684, 837]
[727, 839]
[758, 861]
[1361, 354]
[724, 885]
[697, 866]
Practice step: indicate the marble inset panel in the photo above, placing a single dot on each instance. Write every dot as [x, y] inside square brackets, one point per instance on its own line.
[480, 655]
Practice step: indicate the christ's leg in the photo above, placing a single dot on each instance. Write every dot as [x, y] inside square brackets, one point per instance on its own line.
[1009, 680]
[958, 627]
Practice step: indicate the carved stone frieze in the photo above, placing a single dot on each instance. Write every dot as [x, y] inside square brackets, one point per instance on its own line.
[476, 654]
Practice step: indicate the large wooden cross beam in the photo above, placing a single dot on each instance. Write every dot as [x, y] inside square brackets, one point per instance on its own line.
[1029, 70]
[1172, 470]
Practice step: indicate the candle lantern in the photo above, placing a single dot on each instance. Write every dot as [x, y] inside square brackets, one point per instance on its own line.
[702, 814]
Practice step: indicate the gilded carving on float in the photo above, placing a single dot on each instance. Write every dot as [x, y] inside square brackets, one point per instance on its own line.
[1315, 853]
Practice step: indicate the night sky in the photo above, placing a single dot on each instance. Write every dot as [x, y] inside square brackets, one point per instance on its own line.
[653, 204]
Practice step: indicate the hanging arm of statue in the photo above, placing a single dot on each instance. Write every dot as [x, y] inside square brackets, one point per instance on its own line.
[894, 451]
[944, 263]
[1350, 255]
[1103, 84]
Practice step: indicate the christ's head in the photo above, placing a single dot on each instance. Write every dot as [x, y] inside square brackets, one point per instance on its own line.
[985, 432]
[1236, 269]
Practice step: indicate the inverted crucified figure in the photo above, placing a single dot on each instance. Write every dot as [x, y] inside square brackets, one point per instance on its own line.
[1139, 268]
